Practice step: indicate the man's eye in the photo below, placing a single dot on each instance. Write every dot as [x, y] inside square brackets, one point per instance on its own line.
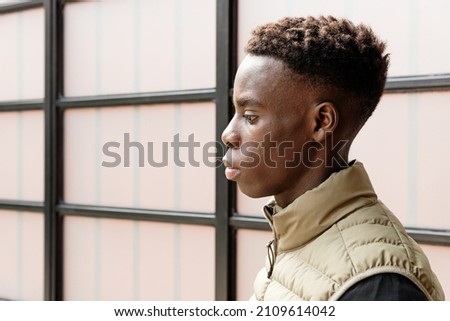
[251, 118]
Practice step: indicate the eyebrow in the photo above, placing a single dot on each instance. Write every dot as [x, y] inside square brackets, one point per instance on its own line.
[247, 101]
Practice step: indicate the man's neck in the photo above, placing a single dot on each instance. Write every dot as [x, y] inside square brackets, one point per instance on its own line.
[311, 179]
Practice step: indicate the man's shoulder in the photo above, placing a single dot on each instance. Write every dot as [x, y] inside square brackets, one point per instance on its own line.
[384, 287]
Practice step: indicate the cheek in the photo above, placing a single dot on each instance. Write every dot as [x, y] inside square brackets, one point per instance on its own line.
[279, 151]
[250, 154]
[265, 173]
[286, 144]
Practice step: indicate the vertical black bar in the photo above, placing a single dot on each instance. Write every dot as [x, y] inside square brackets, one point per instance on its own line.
[225, 69]
[53, 156]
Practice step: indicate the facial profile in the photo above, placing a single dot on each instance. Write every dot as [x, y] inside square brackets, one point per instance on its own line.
[303, 78]
[274, 120]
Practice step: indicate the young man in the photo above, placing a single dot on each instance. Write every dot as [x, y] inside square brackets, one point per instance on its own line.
[301, 95]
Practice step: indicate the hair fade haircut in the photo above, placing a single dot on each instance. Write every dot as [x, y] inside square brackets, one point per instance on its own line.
[329, 52]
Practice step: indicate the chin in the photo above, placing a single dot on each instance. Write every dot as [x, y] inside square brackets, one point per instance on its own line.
[253, 191]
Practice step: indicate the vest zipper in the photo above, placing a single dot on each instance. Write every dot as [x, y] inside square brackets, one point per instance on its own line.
[271, 245]
[272, 255]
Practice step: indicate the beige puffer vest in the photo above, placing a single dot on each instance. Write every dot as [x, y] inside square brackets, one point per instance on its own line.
[335, 235]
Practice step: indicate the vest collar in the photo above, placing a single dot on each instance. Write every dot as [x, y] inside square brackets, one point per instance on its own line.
[319, 208]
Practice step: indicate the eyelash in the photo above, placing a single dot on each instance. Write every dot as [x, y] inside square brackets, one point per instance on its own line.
[251, 119]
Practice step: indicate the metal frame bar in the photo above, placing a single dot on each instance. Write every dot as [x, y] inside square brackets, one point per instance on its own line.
[16, 205]
[20, 6]
[53, 154]
[136, 214]
[226, 35]
[418, 83]
[35, 104]
[422, 236]
[179, 96]
[238, 221]
[430, 236]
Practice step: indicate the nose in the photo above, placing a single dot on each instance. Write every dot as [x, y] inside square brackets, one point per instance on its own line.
[230, 135]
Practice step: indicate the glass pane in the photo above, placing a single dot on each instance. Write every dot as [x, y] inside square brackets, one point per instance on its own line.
[22, 252]
[251, 254]
[108, 259]
[251, 206]
[387, 164]
[22, 155]
[439, 257]
[138, 46]
[138, 157]
[413, 29]
[22, 55]
[433, 157]
[405, 149]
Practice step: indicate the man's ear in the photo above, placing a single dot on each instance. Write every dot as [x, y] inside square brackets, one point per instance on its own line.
[326, 119]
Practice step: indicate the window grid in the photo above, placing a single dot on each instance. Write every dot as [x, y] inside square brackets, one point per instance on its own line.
[225, 220]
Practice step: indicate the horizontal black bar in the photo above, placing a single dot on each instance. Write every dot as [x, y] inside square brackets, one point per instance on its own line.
[136, 214]
[34, 104]
[19, 205]
[422, 236]
[15, 6]
[430, 236]
[249, 222]
[418, 83]
[179, 96]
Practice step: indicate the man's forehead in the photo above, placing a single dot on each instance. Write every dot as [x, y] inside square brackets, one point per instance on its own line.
[256, 62]
[257, 71]
[261, 68]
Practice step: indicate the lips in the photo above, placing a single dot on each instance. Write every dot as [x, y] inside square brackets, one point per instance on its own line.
[231, 172]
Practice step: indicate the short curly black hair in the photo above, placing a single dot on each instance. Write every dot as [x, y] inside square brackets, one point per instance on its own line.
[331, 52]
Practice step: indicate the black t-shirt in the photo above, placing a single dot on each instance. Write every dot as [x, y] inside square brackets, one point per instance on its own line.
[384, 287]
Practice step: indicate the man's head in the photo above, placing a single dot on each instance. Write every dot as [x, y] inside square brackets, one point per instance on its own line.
[303, 82]
[331, 54]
